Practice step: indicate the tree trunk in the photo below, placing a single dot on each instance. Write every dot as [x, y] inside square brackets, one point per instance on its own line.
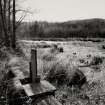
[14, 27]
[4, 26]
[9, 20]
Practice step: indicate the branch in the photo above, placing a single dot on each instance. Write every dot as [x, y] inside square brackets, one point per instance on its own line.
[20, 20]
[22, 10]
[23, 16]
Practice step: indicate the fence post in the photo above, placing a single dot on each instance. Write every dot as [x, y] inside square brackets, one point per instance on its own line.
[33, 71]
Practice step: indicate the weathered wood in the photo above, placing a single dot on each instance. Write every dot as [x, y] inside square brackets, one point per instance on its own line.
[30, 71]
[39, 89]
[33, 69]
[36, 78]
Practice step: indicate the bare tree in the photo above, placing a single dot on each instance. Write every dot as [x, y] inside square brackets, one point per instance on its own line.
[9, 18]
[14, 26]
[9, 25]
[3, 19]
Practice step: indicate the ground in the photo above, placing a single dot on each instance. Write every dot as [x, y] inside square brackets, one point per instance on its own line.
[87, 56]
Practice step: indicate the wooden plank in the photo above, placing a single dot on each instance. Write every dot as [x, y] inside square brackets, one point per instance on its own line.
[39, 89]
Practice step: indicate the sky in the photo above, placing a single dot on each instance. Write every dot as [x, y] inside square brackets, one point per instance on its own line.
[63, 10]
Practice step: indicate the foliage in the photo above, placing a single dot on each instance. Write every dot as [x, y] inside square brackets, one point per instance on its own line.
[8, 23]
[49, 57]
[90, 28]
[57, 74]
[96, 60]
[103, 46]
[77, 79]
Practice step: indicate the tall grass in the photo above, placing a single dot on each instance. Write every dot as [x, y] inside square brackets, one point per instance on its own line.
[59, 69]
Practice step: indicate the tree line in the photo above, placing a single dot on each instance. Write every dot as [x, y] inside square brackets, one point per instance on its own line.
[92, 28]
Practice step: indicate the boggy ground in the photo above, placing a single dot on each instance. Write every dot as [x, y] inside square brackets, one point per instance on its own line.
[64, 58]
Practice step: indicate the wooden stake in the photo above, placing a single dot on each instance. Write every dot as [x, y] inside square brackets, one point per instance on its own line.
[33, 65]
[30, 71]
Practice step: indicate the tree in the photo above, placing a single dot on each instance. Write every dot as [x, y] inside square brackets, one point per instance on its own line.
[8, 21]
[14, 27]
[5, 14]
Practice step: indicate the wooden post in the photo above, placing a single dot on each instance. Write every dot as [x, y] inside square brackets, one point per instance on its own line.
[30, 71]
[33, 65]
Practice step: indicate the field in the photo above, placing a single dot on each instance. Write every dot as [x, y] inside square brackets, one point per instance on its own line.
[59, 61]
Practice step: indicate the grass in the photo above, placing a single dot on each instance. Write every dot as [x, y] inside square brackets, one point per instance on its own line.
[7, 90]
[3, 71]
[96, 60]
[59, 68]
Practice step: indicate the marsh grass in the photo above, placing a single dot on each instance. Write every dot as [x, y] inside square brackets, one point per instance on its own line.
[49, 57]
[96, 60]
[55, 65]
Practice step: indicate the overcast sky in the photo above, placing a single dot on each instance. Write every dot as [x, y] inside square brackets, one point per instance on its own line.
[64, 10]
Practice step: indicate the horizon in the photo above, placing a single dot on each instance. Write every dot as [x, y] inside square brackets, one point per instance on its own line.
[65, 21]
[62, 11]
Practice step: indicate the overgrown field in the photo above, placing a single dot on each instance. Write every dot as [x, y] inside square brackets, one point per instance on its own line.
[76, 68]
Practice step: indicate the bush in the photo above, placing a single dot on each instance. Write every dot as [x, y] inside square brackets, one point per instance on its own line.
[55, 46]
[89, 55]
[3, 53]
[77, 79]
[53, 50]
[43, 45]
[81, 60]
[103, 46]
[96, 60]
[57, 74]
[19, 50]
[60, 49]
[60, 75]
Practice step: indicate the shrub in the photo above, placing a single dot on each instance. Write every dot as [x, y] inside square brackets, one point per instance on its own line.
[77, 79]
[53, 50]
[103, 46]
[3, 53]
[43, 45]
[97, 68]
[60, 49]
[89, 55]
[74, 53]
[55, 46]
[57, 74]
[60, 75]
[96, 60]
[81, 60]
[19, 50]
